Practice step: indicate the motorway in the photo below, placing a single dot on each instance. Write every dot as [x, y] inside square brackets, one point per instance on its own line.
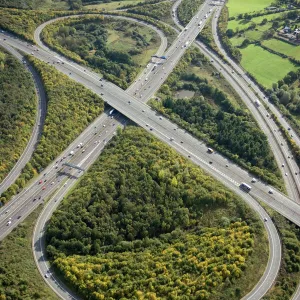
[282, 153]
[37, 128]
[164, 129]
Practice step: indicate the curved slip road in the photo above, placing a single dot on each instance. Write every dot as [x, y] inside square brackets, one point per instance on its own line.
[163, 132]
[37, 128]
[143, 74]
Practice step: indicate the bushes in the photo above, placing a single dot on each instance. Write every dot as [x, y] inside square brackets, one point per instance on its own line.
[168, 30]
[17, 111]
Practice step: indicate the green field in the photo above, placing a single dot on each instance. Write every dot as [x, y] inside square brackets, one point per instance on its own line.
[237, 6]
[255, 35]
[283, 47]
[243, 24]
[112, 5]
[267, 68]
[120, 41]
[19, 277]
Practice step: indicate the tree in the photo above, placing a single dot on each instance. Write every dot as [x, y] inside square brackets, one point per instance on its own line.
[275, 86]
[230, 33]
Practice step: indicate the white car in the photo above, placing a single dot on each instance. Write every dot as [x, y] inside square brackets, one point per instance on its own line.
[253, 180]
[270, 191]
[9, 222]
[265, 219]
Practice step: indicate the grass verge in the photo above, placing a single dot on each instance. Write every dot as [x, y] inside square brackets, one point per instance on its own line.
[19, 277]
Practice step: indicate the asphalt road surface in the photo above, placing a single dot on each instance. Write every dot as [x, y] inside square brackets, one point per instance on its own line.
[165, 130]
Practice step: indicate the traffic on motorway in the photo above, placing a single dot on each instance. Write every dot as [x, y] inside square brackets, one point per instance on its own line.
[83, 150]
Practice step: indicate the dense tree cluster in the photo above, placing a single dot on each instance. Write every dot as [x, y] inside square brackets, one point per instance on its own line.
[187, 9]
[211, 116]
[24, 22]
[17, 111]
[87, 39]
[284, 92]
[141, 204]
[160, 11]
[70, 108]
[181, 266]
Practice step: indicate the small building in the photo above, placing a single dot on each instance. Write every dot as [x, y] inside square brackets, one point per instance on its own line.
[287, 29]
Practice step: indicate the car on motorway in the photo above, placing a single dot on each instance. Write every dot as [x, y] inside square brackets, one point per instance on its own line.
[41, 181]
[8, 223]
[253, 180]
[160, 118]
[34, 199]
[265, 219]
[171, 139]
[43, 188]
[47, 275]
[270, 191]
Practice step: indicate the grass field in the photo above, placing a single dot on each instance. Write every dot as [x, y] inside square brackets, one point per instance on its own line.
[112, 5]
[242, 24]
[237, 6]
[266, 67]
[283, 47]
[118, 40]
[19, 277]
[206, 72]
[250, 34]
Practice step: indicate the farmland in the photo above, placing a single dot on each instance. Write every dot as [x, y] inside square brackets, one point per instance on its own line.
[283, 47]
[235, 6]
[266, 67]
